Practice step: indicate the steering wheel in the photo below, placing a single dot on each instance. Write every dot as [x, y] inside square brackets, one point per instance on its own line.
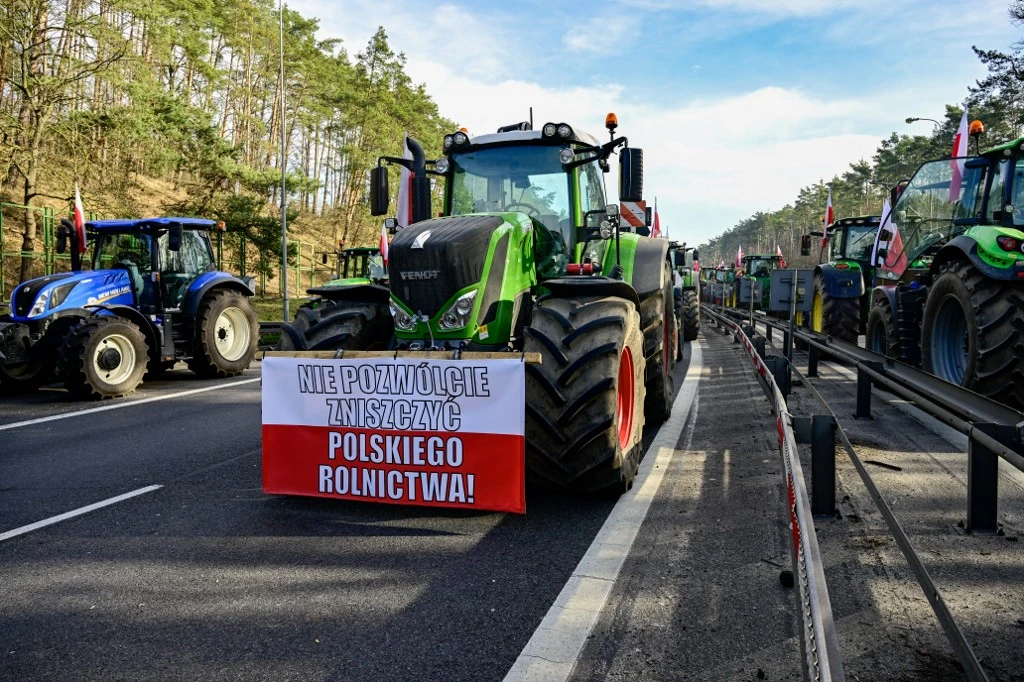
[529, 207]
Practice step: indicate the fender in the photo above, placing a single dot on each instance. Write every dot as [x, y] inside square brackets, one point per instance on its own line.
[648, 276]
[132, 315]
[592, 286]
[207, 282]
[359, 292]
[841, 283]
[884, 293]
[965, 248]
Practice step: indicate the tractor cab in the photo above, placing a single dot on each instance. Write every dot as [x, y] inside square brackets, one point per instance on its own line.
[760, 266]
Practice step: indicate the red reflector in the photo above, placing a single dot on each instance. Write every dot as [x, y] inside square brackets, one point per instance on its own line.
[1021, 275]
[1007, 243]
[842, 266]
[577, 269]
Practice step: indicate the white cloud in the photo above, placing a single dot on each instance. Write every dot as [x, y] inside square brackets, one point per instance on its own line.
[595, 36]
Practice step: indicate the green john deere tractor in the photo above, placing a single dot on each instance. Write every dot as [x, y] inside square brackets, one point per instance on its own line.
[841, 283]
[759, 268]
[685, 262]
[348, 313]
[949, 292]
[527, 256]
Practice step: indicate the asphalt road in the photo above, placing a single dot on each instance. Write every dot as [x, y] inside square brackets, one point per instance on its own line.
[208, 578]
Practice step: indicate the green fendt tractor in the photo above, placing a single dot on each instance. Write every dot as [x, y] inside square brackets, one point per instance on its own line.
[843, 277]
[950, 294]
[686, 263]
[348, 313]
[528, 257]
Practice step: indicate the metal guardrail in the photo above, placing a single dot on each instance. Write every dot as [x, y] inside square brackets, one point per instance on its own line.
[819, 643]
[826, 460]
[993, 430]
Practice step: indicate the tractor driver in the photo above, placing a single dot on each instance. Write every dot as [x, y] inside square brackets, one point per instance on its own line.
[134, 255]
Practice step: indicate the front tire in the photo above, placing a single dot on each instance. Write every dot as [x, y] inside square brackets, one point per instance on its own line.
[691, 315]
[103, 357]
[23, 377]
[584, 409]
[973, 333]
[881, 335]
[837, 317]
[344, 325]
[226, 335]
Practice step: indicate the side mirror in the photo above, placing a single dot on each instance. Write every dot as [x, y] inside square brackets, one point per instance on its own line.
[379, 197]
[174, 237]
[631, 174]
[62, 236]
[805, 245]
[696, 256]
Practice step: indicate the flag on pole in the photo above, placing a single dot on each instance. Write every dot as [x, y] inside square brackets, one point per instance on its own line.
[404, 213]
[894, 260]
[79, 221]
[384, 244]
[829, 218]
[957, 161]
[656, 231]
[739, 257]
[782, 259]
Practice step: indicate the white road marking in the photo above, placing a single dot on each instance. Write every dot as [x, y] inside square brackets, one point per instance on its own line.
[76, 512]
[943, 431]
[552, 651]
[128, 403]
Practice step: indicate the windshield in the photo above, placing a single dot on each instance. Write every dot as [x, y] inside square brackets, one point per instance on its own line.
[860, 239]
[759, 268]
[928, 210]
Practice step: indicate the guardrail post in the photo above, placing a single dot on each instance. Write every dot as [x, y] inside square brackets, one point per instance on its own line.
[983, 479]
[768, 329]
[864, 389]
[812, 360]
[759, 346]
[748, 329]
[780, 371]
[823, 464]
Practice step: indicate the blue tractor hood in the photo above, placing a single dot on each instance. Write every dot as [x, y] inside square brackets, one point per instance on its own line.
[45, 296]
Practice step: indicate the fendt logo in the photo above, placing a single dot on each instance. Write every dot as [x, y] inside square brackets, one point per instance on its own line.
[420, 274]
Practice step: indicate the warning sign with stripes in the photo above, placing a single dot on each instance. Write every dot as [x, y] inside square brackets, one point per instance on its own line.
[632, 214]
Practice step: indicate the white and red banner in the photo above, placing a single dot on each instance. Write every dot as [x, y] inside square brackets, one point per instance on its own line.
[957, 161]
[440, 433]
[404, 212]
[384, 244]
[830, 217]
[632, 215]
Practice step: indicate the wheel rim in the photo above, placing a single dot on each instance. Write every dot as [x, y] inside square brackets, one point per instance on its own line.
[817, 313]
[22, 371]
[231, 334]
[626, 393]
[114, 359]
[950, 341]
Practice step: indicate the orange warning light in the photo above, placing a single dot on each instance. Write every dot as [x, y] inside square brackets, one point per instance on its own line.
[611, 121]
[977, 127]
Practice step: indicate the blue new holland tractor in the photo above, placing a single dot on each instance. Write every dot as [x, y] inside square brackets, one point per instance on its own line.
[152, 297]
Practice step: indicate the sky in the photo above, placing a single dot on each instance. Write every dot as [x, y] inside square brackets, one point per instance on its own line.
[736, 103]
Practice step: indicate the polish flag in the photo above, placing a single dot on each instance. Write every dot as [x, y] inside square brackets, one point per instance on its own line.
[895, 258]
[739, 257]
[656, 232]
[79, 221]
[959, 151]
[782, 259]
[404, 214]
[384, 244]
[830, 217]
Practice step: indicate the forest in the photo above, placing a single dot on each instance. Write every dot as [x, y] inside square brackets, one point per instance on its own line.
[997, 100]
[174, 107]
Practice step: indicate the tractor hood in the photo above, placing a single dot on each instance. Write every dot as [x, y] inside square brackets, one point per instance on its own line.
[43, 296]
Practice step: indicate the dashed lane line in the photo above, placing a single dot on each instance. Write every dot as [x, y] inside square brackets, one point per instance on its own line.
[552, 651]
[129, 403]
[76, 512]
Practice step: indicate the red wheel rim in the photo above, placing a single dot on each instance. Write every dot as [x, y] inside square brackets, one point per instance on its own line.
[626, 392]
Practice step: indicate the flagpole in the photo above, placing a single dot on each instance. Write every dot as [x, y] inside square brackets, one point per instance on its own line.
[284, 167]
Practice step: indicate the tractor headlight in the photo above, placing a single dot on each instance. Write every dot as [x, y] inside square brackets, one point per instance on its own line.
[40, 305]
[566, 156]
[60, 293]
[460, 138]
[564, 131]
[403, 320]
[448, 142]
[441, 165]
[457, 316]
[606, 229]
[550, 129]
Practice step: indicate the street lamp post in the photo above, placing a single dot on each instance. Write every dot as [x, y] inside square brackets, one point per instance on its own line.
[914, 119]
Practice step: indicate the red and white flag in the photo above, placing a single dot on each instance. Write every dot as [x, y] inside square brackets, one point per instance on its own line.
[739, 257]
[384, 244]
[895, 259]
[782, 259]
[656, 231]
[79, 221]
[957, 161]
[830, 217]
[404, 213]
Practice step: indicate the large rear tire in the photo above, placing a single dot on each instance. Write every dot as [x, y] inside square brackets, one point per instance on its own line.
[584, 414]
[344, 325]
[837, 317]
[659, 326]
[226, 335]
[972, 333]
[691, 315]
[103, 357]
[23, 377]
